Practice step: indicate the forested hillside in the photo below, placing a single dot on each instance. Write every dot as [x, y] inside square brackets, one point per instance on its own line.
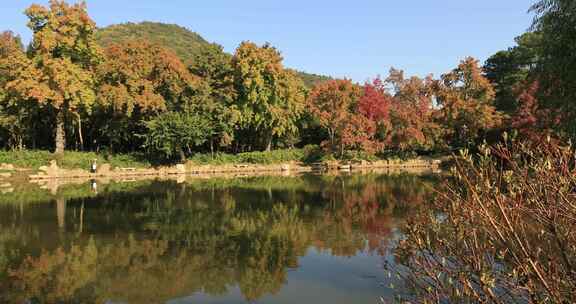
[184, 42]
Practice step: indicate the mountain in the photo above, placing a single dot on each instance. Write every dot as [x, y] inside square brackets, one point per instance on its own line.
[182, 41]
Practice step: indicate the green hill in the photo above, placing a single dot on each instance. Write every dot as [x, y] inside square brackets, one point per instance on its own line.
[311, 79]
[182, 41]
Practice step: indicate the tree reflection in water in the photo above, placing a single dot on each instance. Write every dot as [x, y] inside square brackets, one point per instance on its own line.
[200, 236]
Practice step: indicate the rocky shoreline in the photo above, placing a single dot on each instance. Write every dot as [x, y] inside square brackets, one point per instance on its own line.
[53, 171]
[52, 177]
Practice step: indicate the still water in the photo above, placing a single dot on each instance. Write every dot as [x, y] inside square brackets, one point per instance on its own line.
[279, 239]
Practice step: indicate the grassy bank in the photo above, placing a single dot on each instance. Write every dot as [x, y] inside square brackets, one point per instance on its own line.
[33, 159]
[71, 160]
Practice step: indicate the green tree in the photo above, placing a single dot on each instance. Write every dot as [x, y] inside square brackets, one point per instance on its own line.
[59, 72]
[214, 67]
[270, 97]
[556, 21]
[508, 69]
[175, 133]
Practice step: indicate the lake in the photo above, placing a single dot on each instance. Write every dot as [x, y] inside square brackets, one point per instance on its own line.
[267, 239]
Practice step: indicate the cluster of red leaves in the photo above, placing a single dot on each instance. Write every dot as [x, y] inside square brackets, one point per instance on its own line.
[371, 119]
[358, 133]
[401, 120]
[375, 103]
[532, 120]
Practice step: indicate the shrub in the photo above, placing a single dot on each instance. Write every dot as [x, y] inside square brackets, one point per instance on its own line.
[173, 134]
[502, 231]
[271, 157]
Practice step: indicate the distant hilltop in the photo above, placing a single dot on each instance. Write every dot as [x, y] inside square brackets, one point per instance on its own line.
[184, 42]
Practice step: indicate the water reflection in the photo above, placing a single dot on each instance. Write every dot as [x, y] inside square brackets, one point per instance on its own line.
[152, 242]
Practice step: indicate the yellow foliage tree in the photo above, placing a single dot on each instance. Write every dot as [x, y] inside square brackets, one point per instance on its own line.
[271, 98]
[58, 73]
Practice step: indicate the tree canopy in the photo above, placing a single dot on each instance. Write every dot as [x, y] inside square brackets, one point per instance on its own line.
[152, 86]
[270, 98]
[59, 71]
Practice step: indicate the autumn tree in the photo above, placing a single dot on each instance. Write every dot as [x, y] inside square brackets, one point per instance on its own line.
[138, 80]
[358, 134]
[466, 98]
[15, 114]
[141, 76]
[412, 114]
[11, 53]
[59, 72]
[332, 102]
[531, 119]
[375, 104]
[270, 98]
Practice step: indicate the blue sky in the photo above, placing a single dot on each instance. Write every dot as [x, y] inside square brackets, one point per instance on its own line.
[356, 39]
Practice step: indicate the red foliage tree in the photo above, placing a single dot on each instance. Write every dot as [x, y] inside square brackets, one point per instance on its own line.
[531, 119]
[411, 114]
[375, 103]
[358, 134]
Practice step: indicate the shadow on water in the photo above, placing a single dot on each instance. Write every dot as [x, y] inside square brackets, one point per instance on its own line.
[220, 240]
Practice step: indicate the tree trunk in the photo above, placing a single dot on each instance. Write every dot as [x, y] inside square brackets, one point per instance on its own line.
[60, 139]
[269, 145]
[269, 138]
[212, 147]
[80, 137]
[332, 140]
[182, 154]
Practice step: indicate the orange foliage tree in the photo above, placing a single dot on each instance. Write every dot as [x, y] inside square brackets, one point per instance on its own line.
[331, 102]
[137, 80]
[466, 98]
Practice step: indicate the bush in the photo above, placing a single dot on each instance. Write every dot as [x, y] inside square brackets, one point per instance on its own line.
[502, 231]
[271, 157]
[173, 134]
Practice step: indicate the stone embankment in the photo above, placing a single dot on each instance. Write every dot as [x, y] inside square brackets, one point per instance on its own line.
[53, 171]
[8, 172]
